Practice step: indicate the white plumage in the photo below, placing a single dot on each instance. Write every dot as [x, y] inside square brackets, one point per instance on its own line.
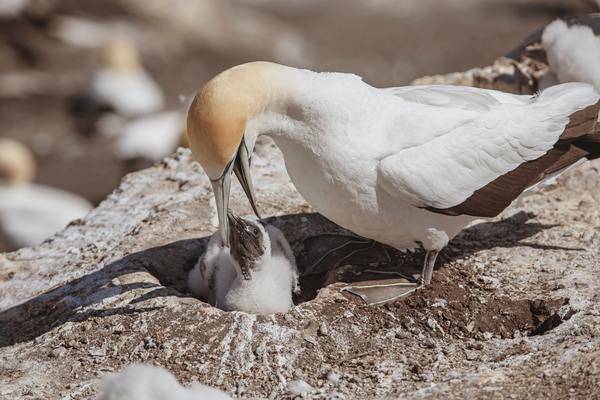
[123, 84]
[494, 134]
[152, 137]
[128, 92]
[218, 278]
[408, 166]
[12, 8]
[573, 52]
[373, 159]
[147, 382]
[30, 213]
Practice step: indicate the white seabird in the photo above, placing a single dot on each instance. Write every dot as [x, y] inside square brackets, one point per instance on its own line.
[258, 276]
[573, 52]
[406, 166]
[122, 82]
[152, 137]
[29, 213]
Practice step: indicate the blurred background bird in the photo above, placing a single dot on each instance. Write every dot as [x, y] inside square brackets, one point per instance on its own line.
[574, 51]
[29, 213]
[120, 87]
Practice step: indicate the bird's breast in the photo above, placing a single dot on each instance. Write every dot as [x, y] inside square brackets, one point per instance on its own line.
[342, 185]
[339, 184]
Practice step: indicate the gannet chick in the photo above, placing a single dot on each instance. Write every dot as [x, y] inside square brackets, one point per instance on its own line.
[30, 213]
[258, 276]
[573, 52]
[148, 382]
[406, 166]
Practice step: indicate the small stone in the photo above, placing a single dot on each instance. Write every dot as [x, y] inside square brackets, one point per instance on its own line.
[97, 352]
[149, 343]
[403, 335]
[443, 303]
[323, 330]
[58, 352]
[475, 346]
[312, 340]
[470, 326]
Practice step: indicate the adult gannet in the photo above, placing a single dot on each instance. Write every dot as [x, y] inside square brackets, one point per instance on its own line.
[258, 276]
[29, 213]
[152, 137]
[121, 85]
[406, 166]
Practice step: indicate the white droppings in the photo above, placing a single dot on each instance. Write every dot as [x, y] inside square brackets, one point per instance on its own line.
[440, 303]
[334, 377]
[298, 387]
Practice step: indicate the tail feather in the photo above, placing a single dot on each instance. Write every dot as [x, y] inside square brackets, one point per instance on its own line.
[567, 98]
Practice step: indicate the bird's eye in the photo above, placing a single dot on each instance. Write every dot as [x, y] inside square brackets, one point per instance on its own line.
[255, 231]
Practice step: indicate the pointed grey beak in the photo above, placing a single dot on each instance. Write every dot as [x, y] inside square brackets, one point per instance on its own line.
[221, 187]
[242, 171]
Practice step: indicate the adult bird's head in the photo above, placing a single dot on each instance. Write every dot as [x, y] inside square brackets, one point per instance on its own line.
[216, 128]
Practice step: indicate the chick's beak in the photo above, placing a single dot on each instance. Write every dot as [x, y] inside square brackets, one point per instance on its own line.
[241, 243]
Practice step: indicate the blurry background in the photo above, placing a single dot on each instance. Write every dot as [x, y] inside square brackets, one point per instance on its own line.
[56, 95]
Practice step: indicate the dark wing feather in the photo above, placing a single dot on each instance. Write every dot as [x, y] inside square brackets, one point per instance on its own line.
[581, 139]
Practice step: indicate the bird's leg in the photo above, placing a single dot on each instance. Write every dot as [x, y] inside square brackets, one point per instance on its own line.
[428, 265]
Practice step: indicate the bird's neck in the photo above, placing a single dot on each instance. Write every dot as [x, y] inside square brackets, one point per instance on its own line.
[290, 108]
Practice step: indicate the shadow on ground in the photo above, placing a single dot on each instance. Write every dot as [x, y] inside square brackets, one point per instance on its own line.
[325, 253]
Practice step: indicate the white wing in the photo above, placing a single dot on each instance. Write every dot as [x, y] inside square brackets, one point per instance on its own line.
[499, 133]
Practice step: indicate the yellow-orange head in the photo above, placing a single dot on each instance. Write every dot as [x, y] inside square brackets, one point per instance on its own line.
[217, 117]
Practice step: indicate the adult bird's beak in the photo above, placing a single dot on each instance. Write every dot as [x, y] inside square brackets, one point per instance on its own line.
[221, 188]
[241, 168]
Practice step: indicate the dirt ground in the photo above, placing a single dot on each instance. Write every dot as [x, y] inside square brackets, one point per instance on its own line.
[513, 310]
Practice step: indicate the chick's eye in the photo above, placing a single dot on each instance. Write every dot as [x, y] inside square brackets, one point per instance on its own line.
[255, 231]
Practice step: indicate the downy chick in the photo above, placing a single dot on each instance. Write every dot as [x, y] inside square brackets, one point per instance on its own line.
[258, 274]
